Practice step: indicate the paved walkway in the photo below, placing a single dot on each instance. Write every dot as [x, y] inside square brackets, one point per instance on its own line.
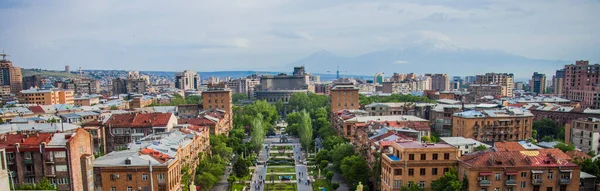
[223, 184]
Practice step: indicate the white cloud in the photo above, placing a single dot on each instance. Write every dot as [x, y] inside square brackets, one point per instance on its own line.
[401, 62]
[241, 34]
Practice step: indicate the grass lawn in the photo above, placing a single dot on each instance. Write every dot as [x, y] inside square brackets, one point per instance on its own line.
[281, 154]
[321, 183]
[285, 169]
[237, 186]
[277, 176]
[281, 187]
[282, 148]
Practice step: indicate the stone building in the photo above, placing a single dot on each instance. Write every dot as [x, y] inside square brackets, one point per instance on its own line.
[507, 124]
[344, 96]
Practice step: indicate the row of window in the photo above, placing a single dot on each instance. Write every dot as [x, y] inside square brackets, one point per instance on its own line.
[128, 188]
[434, 156]
[129, 177]
[422, 171]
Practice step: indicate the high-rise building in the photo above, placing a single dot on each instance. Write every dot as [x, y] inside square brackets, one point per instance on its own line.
[344, 95]
[581, 83]
[519, 86]
[67, 69]
[379, 78]
[187, 80]
[137, 86]
[32, 81]
[504, 80]
[439, 82]
[538, 83]
[217, 98]
[584, 134]
[10, 76]
[398, 77]
[558, 81]
[119, 86]
[243, 85]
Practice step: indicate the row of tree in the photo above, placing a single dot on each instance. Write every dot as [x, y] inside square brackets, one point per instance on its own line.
[178, 100]
[365, 100]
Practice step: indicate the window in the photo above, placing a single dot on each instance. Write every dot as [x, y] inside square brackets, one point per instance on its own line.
[423, 156]
[129, 177]
[446, 170]
[549, 189]
[497, 176]
[113, 188]
[524, 174]
[434, 157]
[61, 168]
[411, 157]
[422, 172]
[446, 156]
[397, 183]
[144, 176]
[411, 172]
[146, 188]
[496, 189]
[422, 184]
[129, 188]
[62, 181]
[161, 176]
[550, 175]
[397, 172]
[523, 184]
[434, 171]
[28, 155]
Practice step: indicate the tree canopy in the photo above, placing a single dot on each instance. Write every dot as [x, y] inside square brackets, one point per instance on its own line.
[365, 100]
[355, 169]
[305, 130]
[237, 98]
[448, 182]
[547, 127]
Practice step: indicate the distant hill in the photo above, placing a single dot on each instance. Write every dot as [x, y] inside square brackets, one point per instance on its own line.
[48, 73]
[430, 56]
[241, 74]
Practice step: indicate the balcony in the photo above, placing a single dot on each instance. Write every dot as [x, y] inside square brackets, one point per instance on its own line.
[51, 175]
[565, 181]
[49, 161]
[162, 181]
[28, 161]
[485, 183]
[512, 182]
[537, 181]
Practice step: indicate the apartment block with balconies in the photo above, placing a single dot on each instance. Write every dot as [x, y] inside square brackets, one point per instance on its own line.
[507, 124]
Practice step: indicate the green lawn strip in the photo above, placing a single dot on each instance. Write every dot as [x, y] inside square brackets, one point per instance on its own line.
[281, 187]
[277, 176]
[281, 154]
[286, 169]
[319, 183]
[237, 187]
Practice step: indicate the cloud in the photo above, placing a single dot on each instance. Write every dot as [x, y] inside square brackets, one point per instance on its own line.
[246, 34]
[400, 62]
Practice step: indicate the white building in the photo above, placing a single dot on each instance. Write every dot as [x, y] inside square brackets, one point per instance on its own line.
[464, 145]
[187, 80]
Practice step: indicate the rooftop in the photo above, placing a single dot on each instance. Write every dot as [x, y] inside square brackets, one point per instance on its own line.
[42, 127]
[460, 141]
[527, 159]
[386, 118]
[417, 145]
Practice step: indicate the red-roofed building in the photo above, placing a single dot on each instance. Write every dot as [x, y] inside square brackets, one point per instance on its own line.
[63, 158]
[121, 129]
[508, 146]
[217, 121]
[38, 110]
[513, 169]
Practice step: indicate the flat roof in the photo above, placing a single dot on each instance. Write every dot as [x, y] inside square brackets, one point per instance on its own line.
[415, 145]
[387, 118]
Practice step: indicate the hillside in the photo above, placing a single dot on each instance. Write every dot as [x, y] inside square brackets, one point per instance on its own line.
[48, 73]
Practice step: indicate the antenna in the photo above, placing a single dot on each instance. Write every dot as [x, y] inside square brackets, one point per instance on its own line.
[4, 55]
[338, 72]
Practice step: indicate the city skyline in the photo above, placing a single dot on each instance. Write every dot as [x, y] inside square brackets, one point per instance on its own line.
[269, 36]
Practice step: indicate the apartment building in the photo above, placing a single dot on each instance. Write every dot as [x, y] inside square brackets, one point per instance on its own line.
[538, 83]
[416, 162]
[63, 158]
[519, 169]
[584, 134]
[506, 124]
[381, 109]
[344, 95]
[122, 129]
[581, 83]
[349, 125]
[439, 82]
[142, 101]
[46, 97]
[86, 100]
[558, 81]
[217, 98]
[187, 80]
[216, 120]
[10, 76]
[477, 92]
[504, 80]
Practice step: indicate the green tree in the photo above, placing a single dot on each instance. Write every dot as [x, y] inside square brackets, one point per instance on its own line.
[564, 147]
[340, 152]
[332, 141]
[425, 139]
[354, 170]
[240, 168]
[207, 180]
[322, 155]
[547, 138]
[329, 176]
[481, 148]
[323, 164]
[411, 186]
[237, 98]
[534, 134]
[335, 186]
[258, 134]
[114, 107]
[193, 99]
[305, 130]
[546, 127]
[448, 182]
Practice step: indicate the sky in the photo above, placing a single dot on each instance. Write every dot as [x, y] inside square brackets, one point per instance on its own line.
[267, 35]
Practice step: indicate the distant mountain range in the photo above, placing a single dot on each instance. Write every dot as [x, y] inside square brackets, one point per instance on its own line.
[431, 56]
[241, 74]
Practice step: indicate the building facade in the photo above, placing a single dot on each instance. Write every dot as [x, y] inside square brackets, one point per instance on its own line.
[218, 98]
[584, 134]
[558, 81]
[504, 80]
[538, 83]
[46, 97]
[543, 169]
[344, 96]
[439, 82]
[10, 76]
[581, 83]
[416, 162]
[507, 124]
[187, 80]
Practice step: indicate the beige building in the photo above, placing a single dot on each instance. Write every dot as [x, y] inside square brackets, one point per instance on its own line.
[86, 101]
[217, 98]
[584, 134]
[46, 97]
[439, 82]
[187, 80]
[10, 75]
[416, 162]
[507, 124]
[344, 96]
[505, 80]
